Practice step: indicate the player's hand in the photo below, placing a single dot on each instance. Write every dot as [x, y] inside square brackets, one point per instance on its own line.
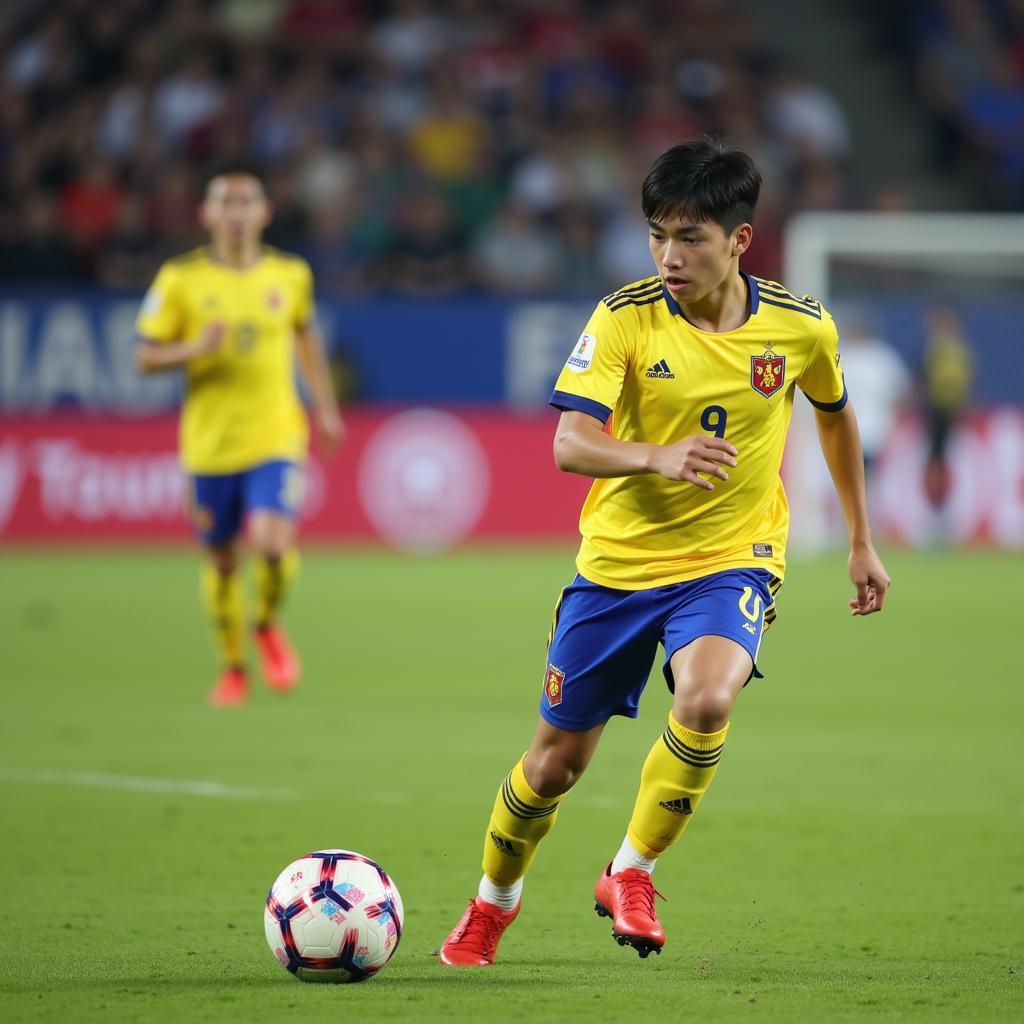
[685, 459]
[871, 580]
[330, 429]
[211, 339]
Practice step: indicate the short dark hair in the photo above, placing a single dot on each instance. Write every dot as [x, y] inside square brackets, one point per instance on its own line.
[704, 180]
[231, 166]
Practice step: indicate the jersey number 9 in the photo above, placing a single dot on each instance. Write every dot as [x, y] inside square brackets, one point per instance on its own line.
[713, 420]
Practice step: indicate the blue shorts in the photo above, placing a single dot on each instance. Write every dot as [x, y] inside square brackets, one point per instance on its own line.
[603, 641]
[220, 503]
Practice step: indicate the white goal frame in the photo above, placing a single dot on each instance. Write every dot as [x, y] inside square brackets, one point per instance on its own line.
[982, 246]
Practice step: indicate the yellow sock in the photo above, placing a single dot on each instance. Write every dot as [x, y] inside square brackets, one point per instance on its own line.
[273, 577]
[676, 774]
[519, 821]
[223, 603]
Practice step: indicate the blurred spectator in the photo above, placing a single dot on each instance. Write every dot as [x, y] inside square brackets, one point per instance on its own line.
[251, 19]
[806, 117]
[129, 107]
[129, 258]
[542, 181]
[410, 38]
[326, 174]
[427, 251]
[187, 99]
[41, 252]
[173, 206]
[624, 254]
[948, 372]
[579, 266]
[877, 380]
[445, 138]
[514, 255]
[290, 223]
[89, 205]
[337, 262]
[994, 113]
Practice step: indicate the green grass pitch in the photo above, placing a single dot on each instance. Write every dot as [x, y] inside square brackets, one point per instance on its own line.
[859, 858]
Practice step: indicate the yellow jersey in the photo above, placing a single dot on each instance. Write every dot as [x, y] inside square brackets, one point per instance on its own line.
[661, 379]
[241, 406]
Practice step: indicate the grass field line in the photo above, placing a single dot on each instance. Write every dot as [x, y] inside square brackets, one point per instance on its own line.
[188, 787]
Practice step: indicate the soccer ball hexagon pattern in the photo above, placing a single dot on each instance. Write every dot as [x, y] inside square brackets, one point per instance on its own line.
[333, 915]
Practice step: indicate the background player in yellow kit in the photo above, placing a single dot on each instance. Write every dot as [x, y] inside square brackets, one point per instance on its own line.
[684, 529]
[235, 314]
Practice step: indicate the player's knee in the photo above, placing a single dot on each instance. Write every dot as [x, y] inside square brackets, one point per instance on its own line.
[706, 709]
[224, 560]
[554, 772]
[273, 550]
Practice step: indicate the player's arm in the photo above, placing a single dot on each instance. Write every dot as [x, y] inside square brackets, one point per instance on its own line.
[586, 392]
[312, 357]
[822, 382]
[582, 446]
[155, 356]
[161, 327]
[840, 444]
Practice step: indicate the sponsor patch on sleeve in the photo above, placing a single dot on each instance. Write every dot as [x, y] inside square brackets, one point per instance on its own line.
[583, 354]
[152, 302]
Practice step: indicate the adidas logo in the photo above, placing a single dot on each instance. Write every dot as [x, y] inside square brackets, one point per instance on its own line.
[504, 845]
[681, 806]
[660, 371]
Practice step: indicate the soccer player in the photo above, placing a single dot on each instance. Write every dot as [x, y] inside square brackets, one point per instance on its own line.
[234, 314]
[684, 529]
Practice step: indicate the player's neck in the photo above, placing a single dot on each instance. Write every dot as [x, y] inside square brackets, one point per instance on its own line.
[723, 309]
[240, 256]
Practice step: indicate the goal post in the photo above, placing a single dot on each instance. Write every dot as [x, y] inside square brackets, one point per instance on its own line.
[972, 244]
[897, 268]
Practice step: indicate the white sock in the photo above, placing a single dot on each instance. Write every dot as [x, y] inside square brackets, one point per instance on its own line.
[504, 896]
[630, 857]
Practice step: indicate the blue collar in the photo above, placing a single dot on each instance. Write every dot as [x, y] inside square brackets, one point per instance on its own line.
[755, 299]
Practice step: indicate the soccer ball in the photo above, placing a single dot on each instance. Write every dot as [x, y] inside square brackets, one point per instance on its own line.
[333, 915]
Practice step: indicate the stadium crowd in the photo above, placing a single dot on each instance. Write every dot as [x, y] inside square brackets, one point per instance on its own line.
[966, 59]
[419, 147]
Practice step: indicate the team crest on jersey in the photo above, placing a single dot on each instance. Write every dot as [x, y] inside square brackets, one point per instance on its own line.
[553, 685]
[767, 372]
[274, 300]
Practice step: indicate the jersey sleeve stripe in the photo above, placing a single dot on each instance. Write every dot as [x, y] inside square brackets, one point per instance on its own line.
[829, 406]
[771, 300]
[614, 302]
[639, 286]
[568, 402]
[776, 291]
[656, 297]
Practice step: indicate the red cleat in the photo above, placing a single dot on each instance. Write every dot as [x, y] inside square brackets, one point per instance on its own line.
[278, 660]
[231, 690]
[627, 897]
[474, 940]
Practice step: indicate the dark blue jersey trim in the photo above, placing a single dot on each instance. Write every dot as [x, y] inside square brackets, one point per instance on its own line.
[829, 406]
[754, 291]
[568, 402]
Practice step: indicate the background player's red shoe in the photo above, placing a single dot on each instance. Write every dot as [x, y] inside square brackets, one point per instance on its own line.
[474, 940]
[627, 897]
[278, 660]
[231, 690]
